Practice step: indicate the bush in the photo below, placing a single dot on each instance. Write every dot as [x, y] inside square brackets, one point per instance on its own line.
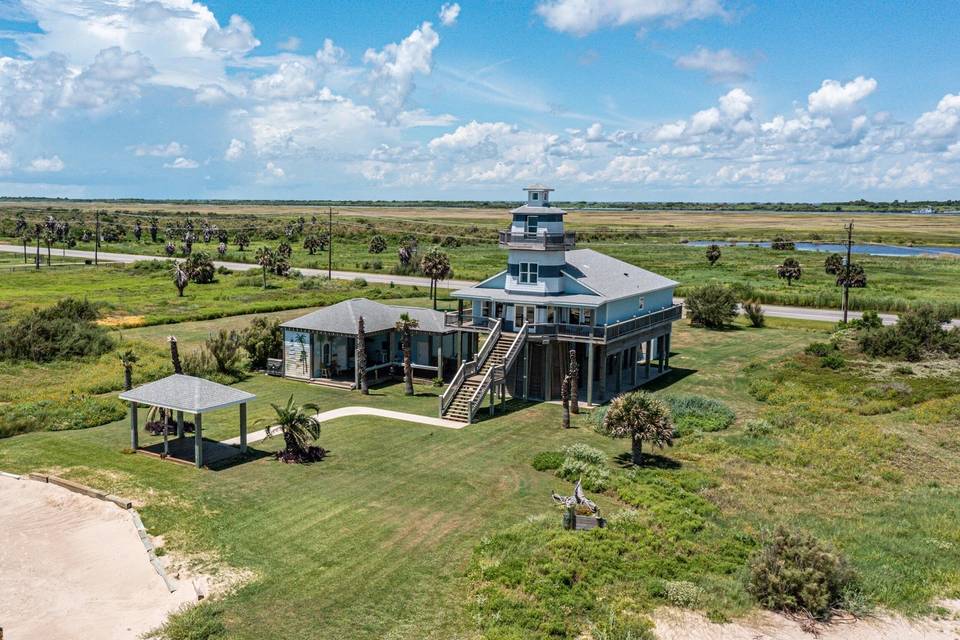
[585, 463]
[869, 320]
[359, 283]
[699, 413]
[833, 361]
[683, 594]
[203, 621]
[262, 339]
[65, 330]
[794, 572]
[76, 412]
[548, 460]
[917, 333]
[754, 313]
[711, 306]
[757, 428]
[819, 349]
[585, 453]
[377, 244]
[224, 348]
[200, 267]
[780, 243]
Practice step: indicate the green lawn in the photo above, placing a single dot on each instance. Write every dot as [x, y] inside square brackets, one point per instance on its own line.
[384, 537]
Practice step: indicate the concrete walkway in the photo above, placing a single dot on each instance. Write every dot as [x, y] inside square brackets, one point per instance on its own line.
[344, 412]
[772, 310]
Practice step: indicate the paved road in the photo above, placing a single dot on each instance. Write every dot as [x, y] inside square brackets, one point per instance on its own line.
[774, 311]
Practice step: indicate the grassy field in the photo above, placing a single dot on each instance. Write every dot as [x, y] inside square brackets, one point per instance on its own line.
[650, 239]
[410, 531]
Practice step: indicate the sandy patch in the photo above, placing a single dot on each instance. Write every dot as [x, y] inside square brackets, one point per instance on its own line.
[680, 624]
[74, 567]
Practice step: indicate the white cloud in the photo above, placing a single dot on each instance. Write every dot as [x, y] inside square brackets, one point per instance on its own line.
[580, 17]
[704, 121]
[595, 132]
[272, 173]
[736, 104]
[943, 122]
[329, 54]
[6, 162]
[449, 14]
[168, 150]
[46, 165]
[234, 150]
[291, 80]
[181, 163]
[211, 94]
[235, 39]
[722, 65]
[394, 67]
[835, 98]
[289, 44]
[670, 131]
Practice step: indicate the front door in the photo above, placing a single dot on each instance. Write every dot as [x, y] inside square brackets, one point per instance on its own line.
[523, 313]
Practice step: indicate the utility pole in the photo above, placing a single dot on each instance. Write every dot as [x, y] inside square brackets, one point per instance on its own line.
[96, 241]
[329, 243]
[36, 261]
[846, 272]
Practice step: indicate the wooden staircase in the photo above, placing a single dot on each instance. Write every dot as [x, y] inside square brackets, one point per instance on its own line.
[459, 408]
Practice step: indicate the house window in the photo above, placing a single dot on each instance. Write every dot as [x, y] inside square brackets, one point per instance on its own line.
[532, 224]
[574, 315]
[528, 273]
[485, 308]
[534, 196]
[551, 315]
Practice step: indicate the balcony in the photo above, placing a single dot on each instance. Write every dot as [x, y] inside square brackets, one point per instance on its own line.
[538, 241]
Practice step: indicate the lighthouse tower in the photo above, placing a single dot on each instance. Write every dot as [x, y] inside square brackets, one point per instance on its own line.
[537, 244]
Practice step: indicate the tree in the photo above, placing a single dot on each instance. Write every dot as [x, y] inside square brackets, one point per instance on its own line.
[224, 346]
[574, 383]
[300, 427]
[137, 230]
[154, 228]
[262, 339]
[407, 251]
[711, 306]
[377, 244]
[200, 267]
[754, 313]
[780, 243]
[790, 269]
[436, 265]
[265, 259]
[284, 250]
[361, 357]
[713, 254]
[313, 243]
[170, 248]
[49, 237]
[241, 239]
[641, 417]
[854, 276]
[175, 354]
[833, 265]
[565, 397]
[405, 325]
[181, 276]
[127, 358]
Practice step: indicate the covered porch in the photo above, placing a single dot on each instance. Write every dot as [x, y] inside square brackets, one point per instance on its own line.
[181, 394]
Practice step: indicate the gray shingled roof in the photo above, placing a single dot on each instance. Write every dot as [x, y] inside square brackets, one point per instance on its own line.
[610, 277]
[499, 295]
[186, 393]
[342, 317]
[538, 186]
[536, 210]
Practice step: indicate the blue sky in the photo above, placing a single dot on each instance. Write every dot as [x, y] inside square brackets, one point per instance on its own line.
[604, 99]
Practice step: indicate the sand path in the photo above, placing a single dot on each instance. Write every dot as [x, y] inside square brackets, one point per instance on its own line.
[74, 567]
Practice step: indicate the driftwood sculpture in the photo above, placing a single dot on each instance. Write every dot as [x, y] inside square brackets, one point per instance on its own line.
[578, 498]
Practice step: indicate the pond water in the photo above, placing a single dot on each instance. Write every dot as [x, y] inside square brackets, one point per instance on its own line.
[892, 250]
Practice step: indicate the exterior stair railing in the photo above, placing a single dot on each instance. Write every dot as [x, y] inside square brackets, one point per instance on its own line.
[470, 368]
[497, 374]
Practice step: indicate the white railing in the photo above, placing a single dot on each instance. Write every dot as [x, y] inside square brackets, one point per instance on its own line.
[489, 344]
[466, 370]
[515, 347]
[477, 398]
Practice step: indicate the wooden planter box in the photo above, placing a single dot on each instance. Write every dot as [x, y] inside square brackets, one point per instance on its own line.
[576, 522]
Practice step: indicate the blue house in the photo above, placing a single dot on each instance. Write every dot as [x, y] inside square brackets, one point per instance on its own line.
[553, 299]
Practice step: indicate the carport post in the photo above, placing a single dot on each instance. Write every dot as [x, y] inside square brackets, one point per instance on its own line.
[180, 424]
[198, 441]
[243, 427]
[134, 442]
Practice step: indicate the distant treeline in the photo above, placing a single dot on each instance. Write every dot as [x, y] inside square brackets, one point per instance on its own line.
[905, 206]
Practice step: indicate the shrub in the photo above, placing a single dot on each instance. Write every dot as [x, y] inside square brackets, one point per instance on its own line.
[779, 243]
[548, 460]
[585, 453]
[224, 348]
[262, 339]
[449, 242]
[794, 572]
[754, 313]
[869, 320]
[683, 594]
[193, 622]
[377, 244]
[65, 330]
[200, 267]
[359, 282]
[585, 463]
[916, 333]
[711, 306]
[819, 349]
[76, 412]
[699, 413]
[833, 361]
[758, 427]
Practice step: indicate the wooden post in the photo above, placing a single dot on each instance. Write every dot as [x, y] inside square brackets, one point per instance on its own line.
[526, 370]
[646, 373]
[548, 369]
[134, 439]
[590, 372]
[180, 424]
[243, 427]
[493, 402]
[440, 358]
[198, 440]
[660, 342]
[666, 351]
[166, 443]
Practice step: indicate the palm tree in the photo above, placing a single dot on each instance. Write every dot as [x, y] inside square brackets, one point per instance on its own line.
[264, 258]
[436, 265]
[175, 354]
[574, 383]
[361, 357]
[639, 416]
[713, 254]
[128, 358]
[181, 277]
[299, 426]
[790, 269]
[405, 325]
